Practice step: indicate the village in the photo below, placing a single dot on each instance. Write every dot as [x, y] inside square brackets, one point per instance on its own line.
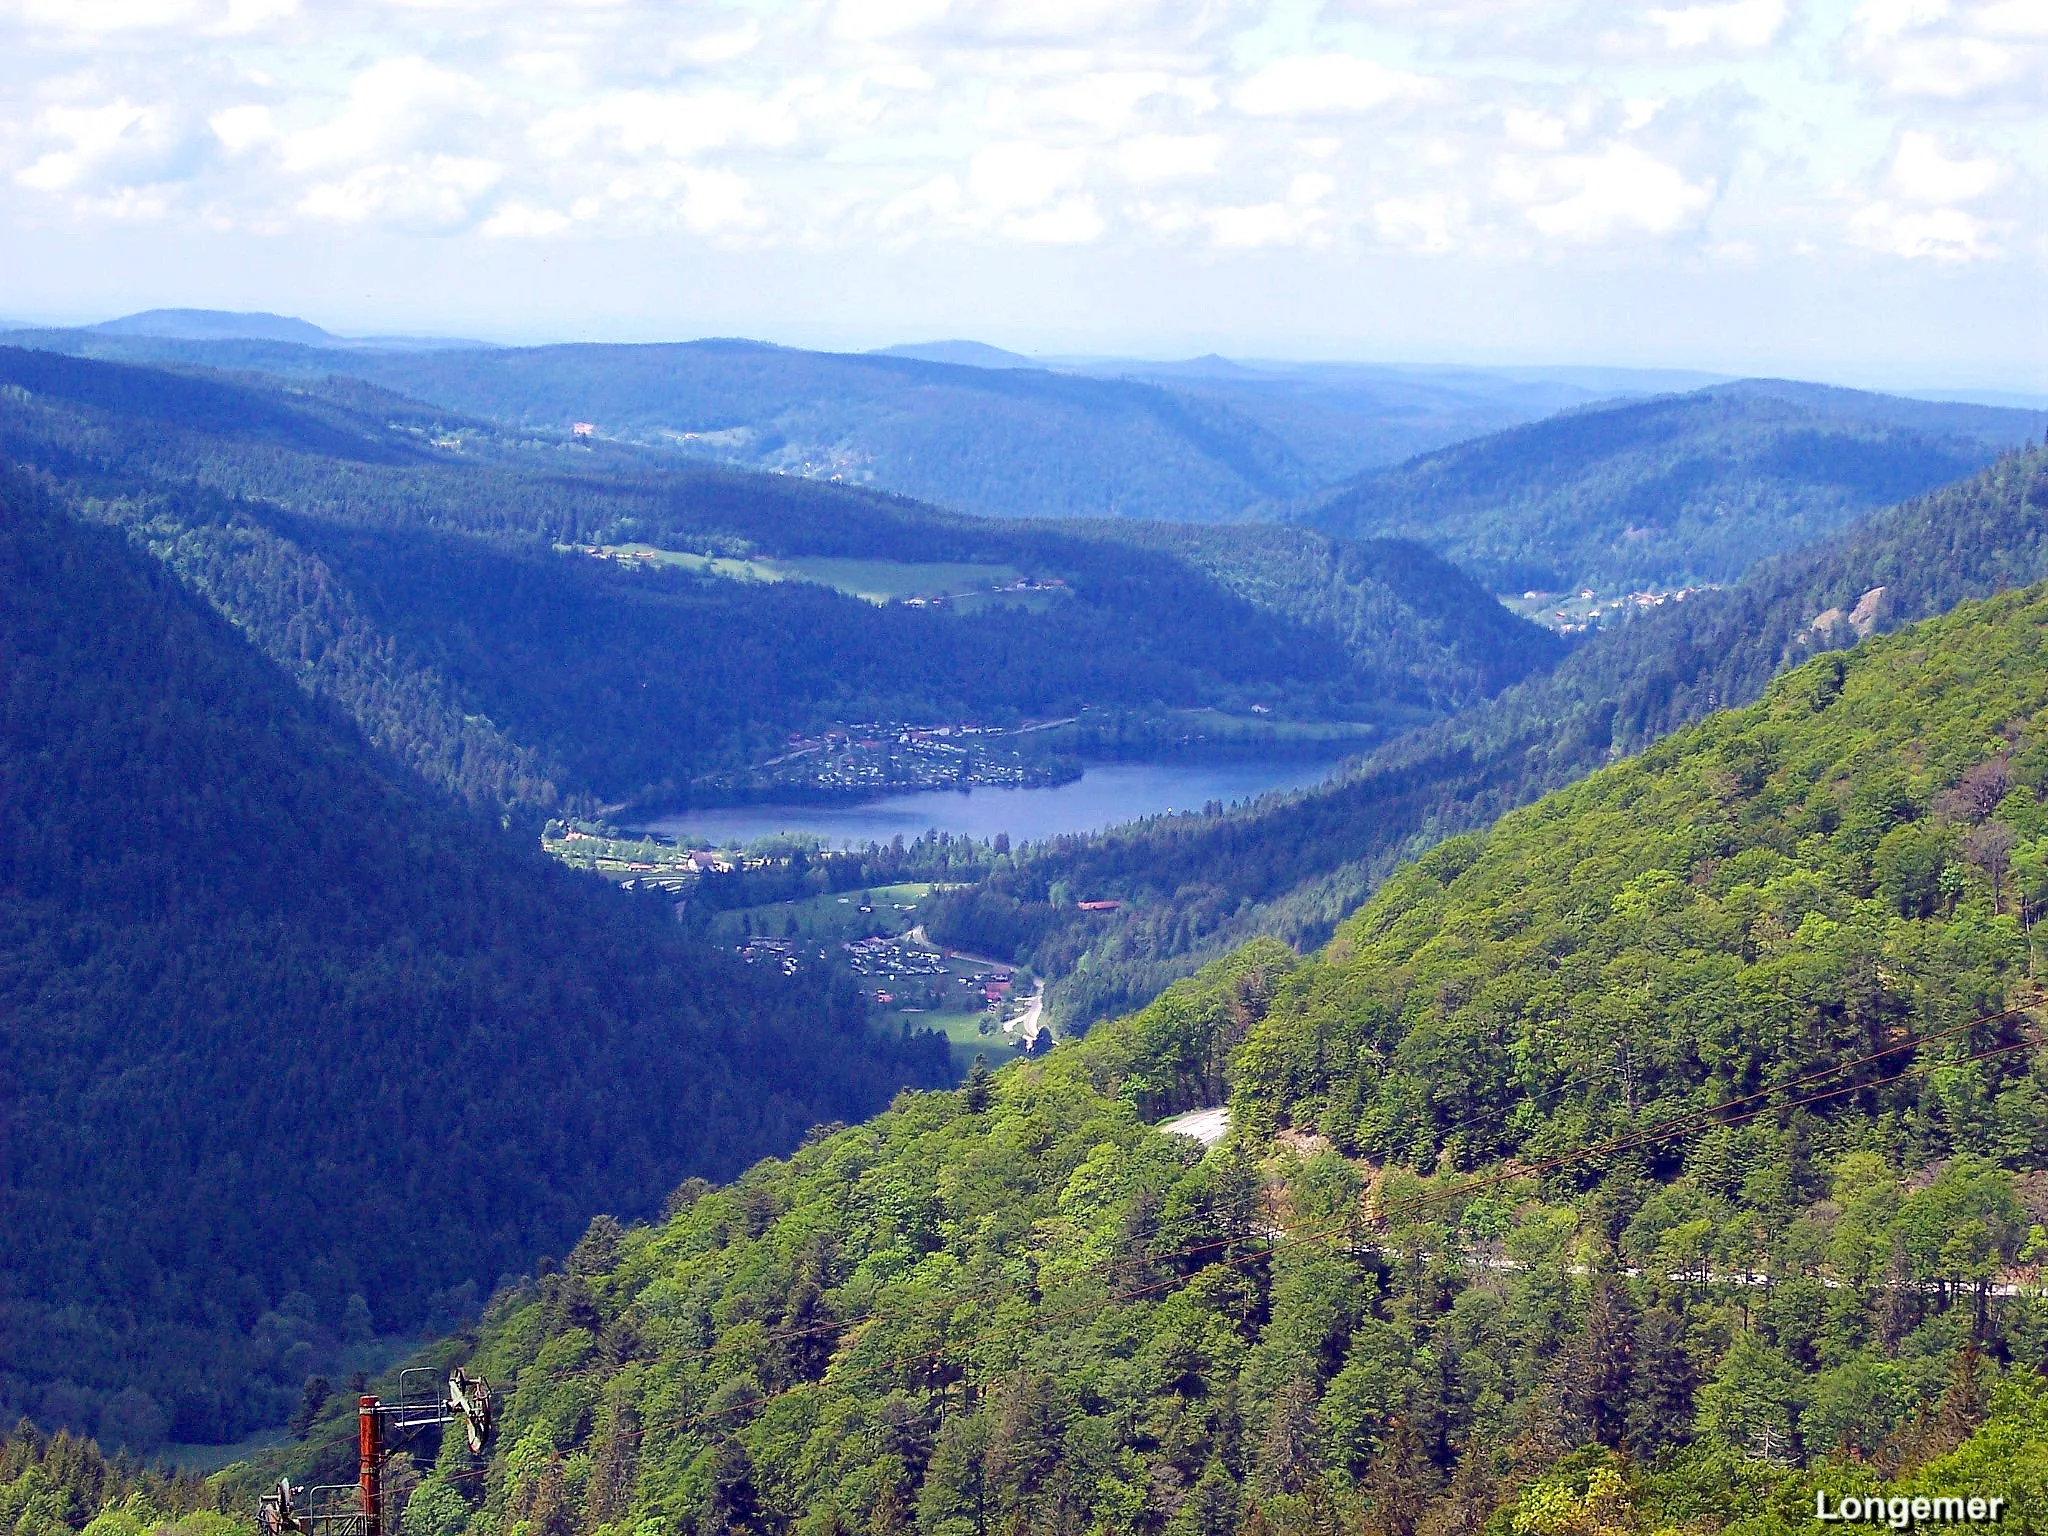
[640, 860]
[975, 1003]
[1587, 612]
[874, 937]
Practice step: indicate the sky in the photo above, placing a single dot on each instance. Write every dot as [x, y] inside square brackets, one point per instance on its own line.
[1848, 189]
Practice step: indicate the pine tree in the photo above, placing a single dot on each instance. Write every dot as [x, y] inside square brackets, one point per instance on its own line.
[955, 1487]
[1399, 1483]
[612, 1470]
[1212, 1508]
[1599, 1363]
[977, 1094]
[1661, 1385]
[1288, 1453]
[312, 1398]
[732, 1504]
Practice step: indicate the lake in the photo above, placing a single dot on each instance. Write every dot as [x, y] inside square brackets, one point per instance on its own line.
[1102, 797]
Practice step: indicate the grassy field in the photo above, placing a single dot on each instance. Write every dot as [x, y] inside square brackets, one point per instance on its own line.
[702, 565]
[886, 910]
[965, 1039]
[878, 581]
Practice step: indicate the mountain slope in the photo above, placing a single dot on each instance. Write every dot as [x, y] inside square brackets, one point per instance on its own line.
[280, 1030]
[1676, 490]
[1659, 1157]
[430, 575]
[1296, 865]
[1344, 419]
[961, 428]
[1003, 442]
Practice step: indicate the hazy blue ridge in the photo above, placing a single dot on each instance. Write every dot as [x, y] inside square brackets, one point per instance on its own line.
[1675, 490]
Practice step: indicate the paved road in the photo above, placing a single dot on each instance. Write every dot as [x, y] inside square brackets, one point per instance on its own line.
[1025, 1025]
[1208, 1126]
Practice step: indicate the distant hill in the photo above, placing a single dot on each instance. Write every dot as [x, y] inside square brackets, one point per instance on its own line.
[1340, 419]
[426, 572]
[216, 325]
[1675, 490]
[1211, 441]
[970, 354]
[291, 1050]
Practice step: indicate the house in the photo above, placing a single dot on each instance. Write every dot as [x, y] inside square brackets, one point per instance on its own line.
[583, 428]
[1097, 906]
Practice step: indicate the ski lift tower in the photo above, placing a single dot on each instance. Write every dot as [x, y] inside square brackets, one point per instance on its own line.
[382, 1429]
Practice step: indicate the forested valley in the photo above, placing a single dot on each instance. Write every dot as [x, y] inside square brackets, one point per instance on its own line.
[1292, 866]
[1663, 1154]
[1621, 1101]
[298, 1055]
[429, 576]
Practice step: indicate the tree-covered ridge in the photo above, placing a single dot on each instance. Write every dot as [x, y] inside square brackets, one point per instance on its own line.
[1856, 858]
[1670, 1152]
[291, 1051]
[1131, 441]
[60, 1485]
[411, 568]
[1295, 866]
[1675, 490]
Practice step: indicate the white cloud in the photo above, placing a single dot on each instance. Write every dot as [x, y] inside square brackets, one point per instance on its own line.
[100, 17]
[716, 47]
[870, 20]
[395, 105]
[636, 124]
[938, 201]
[1323, 84]
[2014, 18]
[1742, 25]
[1534, 129]
[1948, 235]
[1071, 221]
[90, 137]
[121, 158]
[1596, 197]
[1106, 101]
[243, 128]
[1428, 223]
[1006, 178]
[1923, 174]
[1921, 217]
[1142, 124]
[524, 221]
[429, 194]
[1298, 219]
[1953, 51]
[102, 20]
[1170, 156]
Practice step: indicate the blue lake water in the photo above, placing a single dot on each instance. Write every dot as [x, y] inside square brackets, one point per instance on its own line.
[1102, 797]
